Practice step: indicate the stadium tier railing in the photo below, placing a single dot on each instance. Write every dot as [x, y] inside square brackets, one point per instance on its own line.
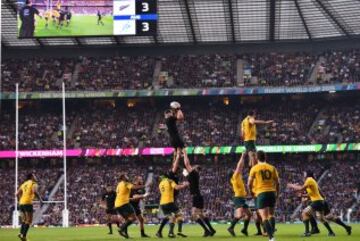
[332, 88]
[197, 150]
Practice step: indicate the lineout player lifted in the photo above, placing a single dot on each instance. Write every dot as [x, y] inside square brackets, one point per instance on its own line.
[172, 116]
[248, 133]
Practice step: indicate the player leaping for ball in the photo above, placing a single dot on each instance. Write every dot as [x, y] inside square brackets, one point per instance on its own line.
[241, 208]
[197, 213]
[248, 133]
[26, 194]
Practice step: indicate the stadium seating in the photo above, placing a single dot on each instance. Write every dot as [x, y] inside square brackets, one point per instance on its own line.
[207, 124]
[185, 71]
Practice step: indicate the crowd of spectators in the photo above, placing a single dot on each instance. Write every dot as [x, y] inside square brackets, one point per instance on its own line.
[277, 69]
[181, 71]
[199, 71]
[87, 182]
[113, 125]
[340, 67]
[116, 73]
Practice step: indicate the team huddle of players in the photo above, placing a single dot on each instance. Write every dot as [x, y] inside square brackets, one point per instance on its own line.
[262, 186]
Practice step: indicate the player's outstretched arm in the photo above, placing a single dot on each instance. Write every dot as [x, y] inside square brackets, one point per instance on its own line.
[181, 186]
[255, 121]
[187, 162]
[251, 181]
[35, 190]
[296, 187]
[240, 164]
[176, 161]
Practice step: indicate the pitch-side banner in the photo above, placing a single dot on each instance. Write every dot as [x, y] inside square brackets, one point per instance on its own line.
[164, 151]
[184, 92]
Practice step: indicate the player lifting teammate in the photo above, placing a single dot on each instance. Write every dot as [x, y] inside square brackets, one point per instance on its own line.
[108, 199]
[317, 202]
[122, 203]
[26, 194]
[241, 208]
[248, 133]
[267, 188]
[171, 212]
[193, 176]
[135, 196]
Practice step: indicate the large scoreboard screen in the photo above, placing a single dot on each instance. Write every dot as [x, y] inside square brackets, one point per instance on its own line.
[76, 18]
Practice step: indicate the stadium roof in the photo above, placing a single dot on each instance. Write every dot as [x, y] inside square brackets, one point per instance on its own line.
[219, 21]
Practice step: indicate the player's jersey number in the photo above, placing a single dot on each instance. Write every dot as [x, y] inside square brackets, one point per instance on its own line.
[265, 174]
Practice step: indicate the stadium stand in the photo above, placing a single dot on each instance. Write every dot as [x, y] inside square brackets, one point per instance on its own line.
[185, 71]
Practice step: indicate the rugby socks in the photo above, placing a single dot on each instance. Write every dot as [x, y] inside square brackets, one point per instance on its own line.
[125, 225]
[268, 229]
[246, 224]
[306, 223]
[341, 223]
[258, 227]
[313, 223]
[26, 229]
[162, 224]
[202, 224]
[180, 223]
[22, 228]
[172, 225]
[234, 222]
[327, 226]
[207, 222]
[272, 222]
[110, 227]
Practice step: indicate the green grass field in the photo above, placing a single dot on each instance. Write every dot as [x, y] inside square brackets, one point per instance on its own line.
[286, 232]
[79, 26]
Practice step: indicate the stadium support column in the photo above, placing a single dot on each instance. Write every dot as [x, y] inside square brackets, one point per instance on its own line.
[65, 212]
[272, 20]
[15, 218]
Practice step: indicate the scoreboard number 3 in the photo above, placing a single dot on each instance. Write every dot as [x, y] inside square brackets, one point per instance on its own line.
[145, 26]
[145, 7]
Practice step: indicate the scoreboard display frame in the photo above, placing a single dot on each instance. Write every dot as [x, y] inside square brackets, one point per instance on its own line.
[120, 18]
[135, 17]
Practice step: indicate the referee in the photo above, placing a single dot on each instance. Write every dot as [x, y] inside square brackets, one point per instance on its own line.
[27, 16]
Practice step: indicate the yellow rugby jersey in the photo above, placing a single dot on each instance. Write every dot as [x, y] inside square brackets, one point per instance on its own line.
[253, 189]
[248, 129]
[123, 190]
[28, 193]
[312, 189]
[238, 185]
[265, 177]
[47, 14]
[167, 188]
